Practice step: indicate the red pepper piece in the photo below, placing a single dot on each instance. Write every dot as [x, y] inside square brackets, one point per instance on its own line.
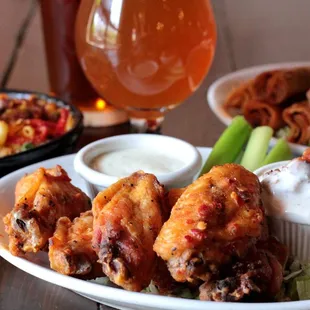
[18, 140]
[61, 124]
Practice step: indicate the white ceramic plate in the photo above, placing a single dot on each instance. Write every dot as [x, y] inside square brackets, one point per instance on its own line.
[38, 266]
[219, 90]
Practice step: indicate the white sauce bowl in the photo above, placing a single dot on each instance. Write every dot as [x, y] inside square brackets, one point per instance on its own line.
[180, 149]
[260, 171]
[293, 234]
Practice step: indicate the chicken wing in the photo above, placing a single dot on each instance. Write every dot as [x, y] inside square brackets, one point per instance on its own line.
[41, 198]
[218, 217]
[172, 197]
[163, 280]
[258, 276]
[127, 219]
[70, 249]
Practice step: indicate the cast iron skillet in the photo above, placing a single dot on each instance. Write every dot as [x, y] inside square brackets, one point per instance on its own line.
[56, 147]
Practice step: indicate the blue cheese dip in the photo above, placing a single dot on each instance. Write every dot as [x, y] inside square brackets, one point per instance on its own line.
[286, 191]
[122, 163]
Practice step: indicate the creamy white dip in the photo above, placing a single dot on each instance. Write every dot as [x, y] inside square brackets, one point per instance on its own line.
[124, 162]
[286, 192]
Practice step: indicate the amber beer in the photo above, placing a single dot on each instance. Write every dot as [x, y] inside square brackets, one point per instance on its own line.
[145, 55]
[66, 77]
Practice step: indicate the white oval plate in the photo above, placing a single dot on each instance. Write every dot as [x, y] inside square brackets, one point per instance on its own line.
[38, 265]
[220, 89]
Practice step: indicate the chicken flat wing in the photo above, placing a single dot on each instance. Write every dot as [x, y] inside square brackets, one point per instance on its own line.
[218, 217]
[127, 219]
[70, 249]
[41, 198]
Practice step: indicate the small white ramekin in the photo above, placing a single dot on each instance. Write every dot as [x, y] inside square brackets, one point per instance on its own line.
[181, 150]
[296, 236]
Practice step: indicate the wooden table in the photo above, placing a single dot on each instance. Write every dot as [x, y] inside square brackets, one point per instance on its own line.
[249, 33]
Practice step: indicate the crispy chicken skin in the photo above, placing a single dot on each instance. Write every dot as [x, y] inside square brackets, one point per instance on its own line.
[70, 249]
[41, 198]
[127, 219]
[258, 276]
[306, 155]
[218, 217]
[163, 279]
[172, 196]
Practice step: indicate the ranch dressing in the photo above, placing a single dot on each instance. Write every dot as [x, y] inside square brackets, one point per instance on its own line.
[124, 162]
[286, 192]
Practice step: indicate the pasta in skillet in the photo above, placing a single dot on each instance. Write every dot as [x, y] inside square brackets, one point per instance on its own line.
[27, 123]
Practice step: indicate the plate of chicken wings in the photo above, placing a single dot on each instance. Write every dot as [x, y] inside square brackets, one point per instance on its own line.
[137, 246]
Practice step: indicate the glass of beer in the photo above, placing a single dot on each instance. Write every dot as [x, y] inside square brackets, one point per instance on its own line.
[66, 77]
[145, 56]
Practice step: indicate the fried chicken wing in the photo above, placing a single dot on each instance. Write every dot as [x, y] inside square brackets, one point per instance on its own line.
[70, 249]
[172, 197]
[218, 217]
[127, 219]
[163, 280]
[259, 275]
[41, 198]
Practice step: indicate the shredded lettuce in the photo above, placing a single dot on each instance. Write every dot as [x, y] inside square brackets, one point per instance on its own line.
[101, 281]
[303, 287]
[292, 290]
[292, 275]
[306, 269]
[283, 132]
[295, 266]
[297, 281]
[296, 284]
[151, 289]
[186, 293]
[182, 293]
[27, 146]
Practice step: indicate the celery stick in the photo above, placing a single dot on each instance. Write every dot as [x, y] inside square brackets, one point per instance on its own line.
[229, 145]
[239, 157]
[281, 151]
[257, 147]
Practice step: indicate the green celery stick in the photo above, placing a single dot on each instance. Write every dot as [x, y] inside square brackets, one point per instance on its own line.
[281, 151]
[257, 147]
[229, 145]
[239, 157]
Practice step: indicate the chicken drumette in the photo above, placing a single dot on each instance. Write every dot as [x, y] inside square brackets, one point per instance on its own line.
[70, 249]
[257, 276]
[127, 219]
[218, 217]
[41, 198]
